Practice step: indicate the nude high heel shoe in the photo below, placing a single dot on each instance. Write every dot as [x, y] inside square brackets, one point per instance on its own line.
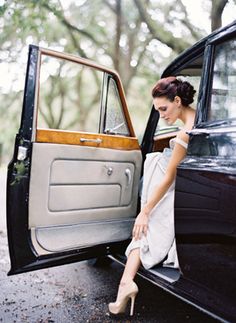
[126, 292]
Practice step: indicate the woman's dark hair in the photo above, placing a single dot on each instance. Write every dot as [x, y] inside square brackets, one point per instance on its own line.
[171, 87]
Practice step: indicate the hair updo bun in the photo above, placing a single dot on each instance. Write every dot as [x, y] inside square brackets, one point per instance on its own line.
[172, 87]
[186, 92]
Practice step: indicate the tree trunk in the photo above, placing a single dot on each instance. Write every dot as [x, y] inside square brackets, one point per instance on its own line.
[159, 32]
[217, 8]
[118, 35]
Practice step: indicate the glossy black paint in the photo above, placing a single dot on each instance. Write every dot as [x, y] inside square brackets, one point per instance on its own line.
[19, 174]
[29, 95]
[189, 291]
[147, 142]
[187, 57]
[205, 86]
[205, 206]
[205, 220]
[205, 227]
[218, 144]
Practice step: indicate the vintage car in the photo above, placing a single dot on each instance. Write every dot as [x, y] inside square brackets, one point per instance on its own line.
[73, 189]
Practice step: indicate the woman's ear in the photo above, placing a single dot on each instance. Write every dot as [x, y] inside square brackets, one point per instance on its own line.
[178, 101]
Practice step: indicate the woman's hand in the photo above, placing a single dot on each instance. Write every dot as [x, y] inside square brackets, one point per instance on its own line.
[140, 225]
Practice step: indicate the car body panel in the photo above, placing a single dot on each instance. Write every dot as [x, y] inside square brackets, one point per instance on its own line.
[205, 223]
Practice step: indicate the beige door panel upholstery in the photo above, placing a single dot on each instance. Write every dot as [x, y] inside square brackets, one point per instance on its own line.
[79, 197]
[62, 238]
[74, 187]
[107, 180]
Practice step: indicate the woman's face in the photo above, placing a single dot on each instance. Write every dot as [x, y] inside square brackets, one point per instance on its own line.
[168, 110]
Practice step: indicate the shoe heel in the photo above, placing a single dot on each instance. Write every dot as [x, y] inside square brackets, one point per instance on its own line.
[132, 305]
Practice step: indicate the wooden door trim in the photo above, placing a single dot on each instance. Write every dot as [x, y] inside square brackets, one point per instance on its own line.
[74, 138]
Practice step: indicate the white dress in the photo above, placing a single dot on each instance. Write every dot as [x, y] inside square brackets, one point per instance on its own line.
[159, 243]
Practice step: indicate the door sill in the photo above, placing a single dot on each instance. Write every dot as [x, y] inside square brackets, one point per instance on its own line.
[167, 274]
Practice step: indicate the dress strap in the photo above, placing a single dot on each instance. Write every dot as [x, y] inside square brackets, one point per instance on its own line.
[181, 142]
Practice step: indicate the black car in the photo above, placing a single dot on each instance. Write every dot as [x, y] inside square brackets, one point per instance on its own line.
[73, 189]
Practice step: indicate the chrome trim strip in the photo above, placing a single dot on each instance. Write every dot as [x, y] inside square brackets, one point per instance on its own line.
[198, 131]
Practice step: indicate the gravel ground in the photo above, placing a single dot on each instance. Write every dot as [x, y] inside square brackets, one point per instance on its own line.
[79, 292]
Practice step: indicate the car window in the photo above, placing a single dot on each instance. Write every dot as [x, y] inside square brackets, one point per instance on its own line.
[115, 122]
[69, 95]
[223, 94]
[72, 97]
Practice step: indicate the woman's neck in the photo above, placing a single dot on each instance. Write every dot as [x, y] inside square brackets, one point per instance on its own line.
[187, 116]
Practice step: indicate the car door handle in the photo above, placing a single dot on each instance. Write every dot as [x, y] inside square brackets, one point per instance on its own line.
[97, 140]
[129, 177]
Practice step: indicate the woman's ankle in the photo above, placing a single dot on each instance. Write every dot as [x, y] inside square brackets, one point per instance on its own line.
[126, 281]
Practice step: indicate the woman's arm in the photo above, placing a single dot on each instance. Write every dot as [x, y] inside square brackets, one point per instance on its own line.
[178, 154]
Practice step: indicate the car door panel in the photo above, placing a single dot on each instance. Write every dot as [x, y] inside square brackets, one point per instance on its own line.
[205, 233]
[71, 195]
[54, 167]
[82, 187]
[80, 235]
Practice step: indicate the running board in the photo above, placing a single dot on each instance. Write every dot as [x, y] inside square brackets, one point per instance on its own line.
[169, 274]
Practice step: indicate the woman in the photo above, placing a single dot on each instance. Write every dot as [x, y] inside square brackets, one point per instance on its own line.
[153, 232]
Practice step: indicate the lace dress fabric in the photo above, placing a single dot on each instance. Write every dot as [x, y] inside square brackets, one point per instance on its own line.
[159, 243]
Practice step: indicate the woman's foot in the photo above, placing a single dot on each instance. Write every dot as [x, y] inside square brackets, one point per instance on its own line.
[126, 291]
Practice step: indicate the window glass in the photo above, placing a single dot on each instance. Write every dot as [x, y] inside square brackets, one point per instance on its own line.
[115, 122]
[223, 95]
[69, 95]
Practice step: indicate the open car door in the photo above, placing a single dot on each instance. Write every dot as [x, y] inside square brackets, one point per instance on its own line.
[72, 184]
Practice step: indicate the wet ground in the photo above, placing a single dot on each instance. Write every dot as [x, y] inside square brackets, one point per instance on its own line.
[79, 292]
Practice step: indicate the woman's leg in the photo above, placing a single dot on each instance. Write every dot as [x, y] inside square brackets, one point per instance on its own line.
[127, 288]
[131, 267]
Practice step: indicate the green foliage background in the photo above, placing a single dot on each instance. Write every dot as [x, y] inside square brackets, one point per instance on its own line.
[138, 38]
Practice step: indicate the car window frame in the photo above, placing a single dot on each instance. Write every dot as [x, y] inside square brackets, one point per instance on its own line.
[205, 90]
[76, 59]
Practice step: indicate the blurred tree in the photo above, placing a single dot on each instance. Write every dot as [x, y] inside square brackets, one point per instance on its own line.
[217, 8]
[136, 37]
